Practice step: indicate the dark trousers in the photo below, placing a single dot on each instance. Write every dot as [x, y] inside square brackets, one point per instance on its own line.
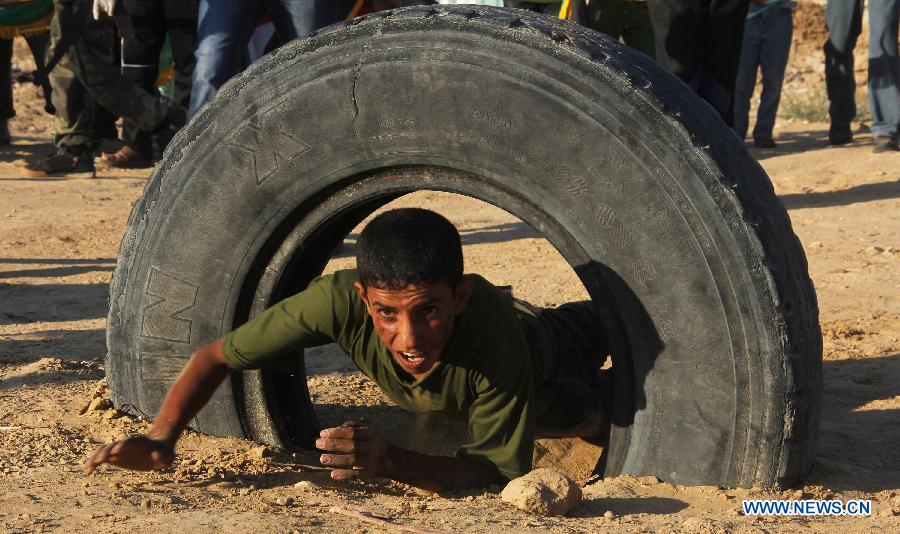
[87, 83]
[767, 44]
[38, 44]
[844, 21]
[225, 26]
[700, 42]
[625, 19]
[153, 20]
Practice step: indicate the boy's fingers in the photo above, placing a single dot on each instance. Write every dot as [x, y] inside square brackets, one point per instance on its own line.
[339, 460]
[161, 459]
[347, 432]
[116, 448]
[345, 474]
[100, 456]
[342, 445]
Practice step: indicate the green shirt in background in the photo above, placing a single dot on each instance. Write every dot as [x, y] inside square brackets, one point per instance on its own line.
[486, 373]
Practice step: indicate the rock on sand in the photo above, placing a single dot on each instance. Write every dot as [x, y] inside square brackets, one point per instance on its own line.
[543, 491]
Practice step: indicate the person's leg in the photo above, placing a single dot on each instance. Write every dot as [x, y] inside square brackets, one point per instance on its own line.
[94, 58]
[296, 18]
[638, 31]
[678, 33]
[746, 75]
[7, 111]
[140, 64]
[778, 27]
[884, 73]
[843, 19]
[723, 35]
[73, 122]
[181, 22]
[607, 16]
[223, 29]
[38, 43]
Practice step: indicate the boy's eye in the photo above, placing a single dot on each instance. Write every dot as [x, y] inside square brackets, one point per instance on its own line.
[387, 314]
[430, 311]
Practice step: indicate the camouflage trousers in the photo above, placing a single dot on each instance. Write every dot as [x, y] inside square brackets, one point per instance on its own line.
[87, 82]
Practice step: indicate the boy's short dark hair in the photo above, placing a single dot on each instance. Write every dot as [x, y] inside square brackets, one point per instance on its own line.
[409, 246]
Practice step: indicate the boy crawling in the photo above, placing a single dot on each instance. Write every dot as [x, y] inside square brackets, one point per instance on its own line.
[433, 339]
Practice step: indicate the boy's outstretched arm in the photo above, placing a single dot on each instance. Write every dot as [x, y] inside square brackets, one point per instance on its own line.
[354, 451]
[189, 393]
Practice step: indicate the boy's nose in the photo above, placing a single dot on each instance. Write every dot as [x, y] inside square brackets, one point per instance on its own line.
[410, 337]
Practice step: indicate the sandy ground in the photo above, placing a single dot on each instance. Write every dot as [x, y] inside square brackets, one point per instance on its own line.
[58, 246]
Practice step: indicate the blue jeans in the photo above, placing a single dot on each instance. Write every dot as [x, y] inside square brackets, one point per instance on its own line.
[767, 42]
[844, 21]
[224, 28]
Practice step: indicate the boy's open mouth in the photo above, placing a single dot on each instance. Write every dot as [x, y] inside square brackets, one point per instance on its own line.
[413, 357]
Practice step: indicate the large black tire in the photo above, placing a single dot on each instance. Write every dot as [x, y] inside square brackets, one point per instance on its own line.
[672, 227]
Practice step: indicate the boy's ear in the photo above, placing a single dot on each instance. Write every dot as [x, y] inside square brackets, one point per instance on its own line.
[462, 294]
[362, 293]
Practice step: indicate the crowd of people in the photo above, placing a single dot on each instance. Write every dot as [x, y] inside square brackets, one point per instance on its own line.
[99, 60]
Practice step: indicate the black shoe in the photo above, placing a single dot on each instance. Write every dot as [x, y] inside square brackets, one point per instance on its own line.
[884, 143]
[62, 164]
[839, 135]
[764, 142]
[5, 137]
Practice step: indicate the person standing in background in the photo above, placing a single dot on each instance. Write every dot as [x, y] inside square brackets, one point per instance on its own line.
[224, 28]
[767, 44]
[153, 21]
[843, 19]
[30, 21]
[87, 82]
[700, 42]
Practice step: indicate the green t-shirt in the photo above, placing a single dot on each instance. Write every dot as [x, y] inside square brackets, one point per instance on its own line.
[486, 373]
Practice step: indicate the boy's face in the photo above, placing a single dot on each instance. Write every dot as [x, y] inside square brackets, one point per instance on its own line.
[415, 323]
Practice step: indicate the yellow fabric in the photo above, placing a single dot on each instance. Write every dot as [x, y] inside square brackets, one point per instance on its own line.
[357, 7]
[565, 11]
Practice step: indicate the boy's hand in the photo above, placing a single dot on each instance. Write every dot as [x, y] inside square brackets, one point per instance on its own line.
[359, 452]
[140, 453]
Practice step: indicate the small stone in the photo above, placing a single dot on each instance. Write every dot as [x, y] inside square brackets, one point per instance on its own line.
[816, 244]
[887, 511]
[260, 452]
[873, 250]
[888, 252]
[305, 485]
[608, 514]
[245, 491]
[228, 476]
[285, 501]
[543, 491]
[145, 503]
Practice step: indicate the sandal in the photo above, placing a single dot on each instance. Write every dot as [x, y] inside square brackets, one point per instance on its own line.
[126, 158]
